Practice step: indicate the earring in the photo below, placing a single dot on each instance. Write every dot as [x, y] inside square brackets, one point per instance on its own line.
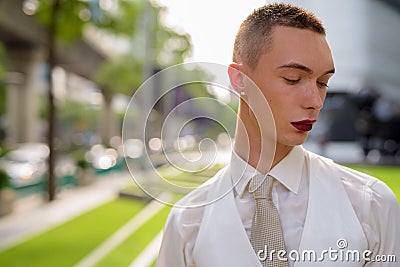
[242, 93]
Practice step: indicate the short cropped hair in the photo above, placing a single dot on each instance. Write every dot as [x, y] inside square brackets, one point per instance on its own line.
[254, 35]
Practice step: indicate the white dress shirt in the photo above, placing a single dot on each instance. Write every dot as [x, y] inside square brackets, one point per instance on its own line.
[374, 204]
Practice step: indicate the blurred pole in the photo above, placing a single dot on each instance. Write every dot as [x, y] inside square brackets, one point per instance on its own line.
[51, 62]
[148, 98]
[22, 81]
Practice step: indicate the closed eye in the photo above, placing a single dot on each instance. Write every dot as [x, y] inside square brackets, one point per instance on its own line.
[290, 81]
[322, 85]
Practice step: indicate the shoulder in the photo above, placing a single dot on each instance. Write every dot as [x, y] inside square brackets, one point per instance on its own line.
[368, 191]
[351, 177]
[368, 188]
[188, 211]
[182, 228]
[363, 190]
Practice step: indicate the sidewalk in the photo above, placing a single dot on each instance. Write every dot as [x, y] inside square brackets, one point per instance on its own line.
[32, 215]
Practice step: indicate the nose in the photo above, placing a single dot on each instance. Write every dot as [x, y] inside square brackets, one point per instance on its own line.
[314, 98]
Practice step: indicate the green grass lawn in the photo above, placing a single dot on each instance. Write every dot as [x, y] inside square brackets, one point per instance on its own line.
[126, 252]
[66, 244]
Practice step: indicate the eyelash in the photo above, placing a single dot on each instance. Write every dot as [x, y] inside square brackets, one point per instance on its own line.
[320, 84]
[291, 81]
[324, 85]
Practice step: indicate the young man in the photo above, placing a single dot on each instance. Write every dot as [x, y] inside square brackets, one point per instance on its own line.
[291, 207]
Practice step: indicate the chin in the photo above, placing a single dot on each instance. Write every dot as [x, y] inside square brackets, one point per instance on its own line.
[294, 139]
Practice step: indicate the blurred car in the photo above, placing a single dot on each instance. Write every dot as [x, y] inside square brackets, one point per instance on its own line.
[26, 164]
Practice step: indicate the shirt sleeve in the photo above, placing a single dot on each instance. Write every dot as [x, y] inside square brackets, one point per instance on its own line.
[385, 224]
[172, 247]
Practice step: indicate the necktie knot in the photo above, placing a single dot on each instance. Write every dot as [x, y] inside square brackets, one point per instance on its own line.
[261, 186]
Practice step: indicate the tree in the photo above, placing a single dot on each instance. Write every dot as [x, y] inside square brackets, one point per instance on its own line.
[3, 100]
[54, 14]
[124, 74]
[66, 20]
[153, 47]
[2, 87]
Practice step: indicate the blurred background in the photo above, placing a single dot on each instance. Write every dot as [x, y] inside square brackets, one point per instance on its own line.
[68, 69]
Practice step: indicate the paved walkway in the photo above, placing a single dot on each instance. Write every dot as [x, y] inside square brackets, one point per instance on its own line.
[32, 215]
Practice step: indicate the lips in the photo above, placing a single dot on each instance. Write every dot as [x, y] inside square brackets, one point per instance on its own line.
[304, 125]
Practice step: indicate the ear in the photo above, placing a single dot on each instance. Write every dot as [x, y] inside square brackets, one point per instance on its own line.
[236, 78]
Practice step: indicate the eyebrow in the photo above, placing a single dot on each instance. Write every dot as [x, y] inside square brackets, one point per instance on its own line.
[304, 68]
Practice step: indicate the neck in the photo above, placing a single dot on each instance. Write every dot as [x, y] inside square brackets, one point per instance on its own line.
[248, 147]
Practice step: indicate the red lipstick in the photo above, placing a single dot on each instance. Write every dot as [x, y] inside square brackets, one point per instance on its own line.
[304, 125]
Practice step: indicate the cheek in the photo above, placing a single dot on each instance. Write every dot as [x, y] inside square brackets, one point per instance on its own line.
[280, 96]
[280, 111]
[323, 95]
[279, 99]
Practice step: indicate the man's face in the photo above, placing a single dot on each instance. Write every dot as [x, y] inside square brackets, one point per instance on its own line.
[293, 76]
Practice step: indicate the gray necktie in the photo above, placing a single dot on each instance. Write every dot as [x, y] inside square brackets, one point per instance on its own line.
[266, 231]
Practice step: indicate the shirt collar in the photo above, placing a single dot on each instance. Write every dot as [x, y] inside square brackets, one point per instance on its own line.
[288, 171]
